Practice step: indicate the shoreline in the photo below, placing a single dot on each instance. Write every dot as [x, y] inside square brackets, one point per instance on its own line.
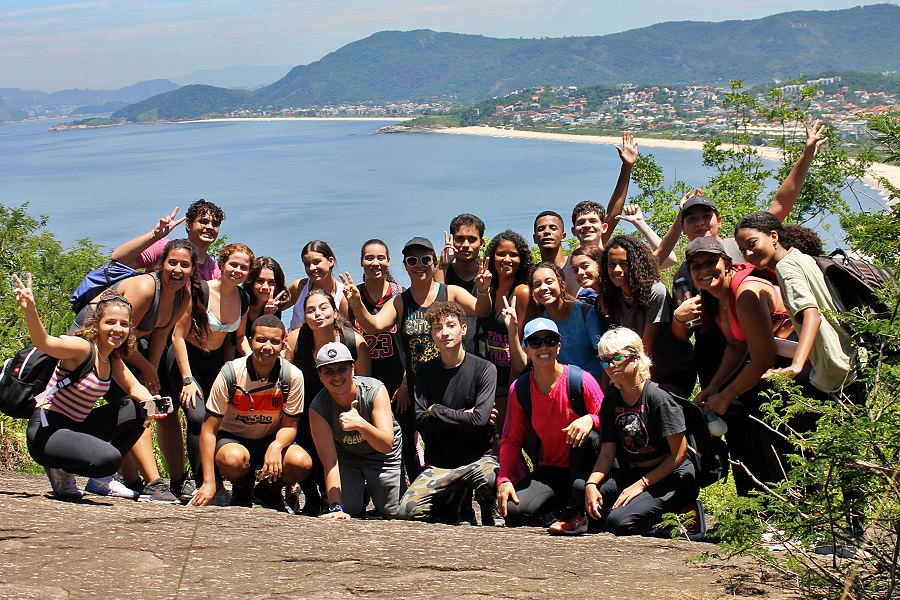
[251, 119]
[890, 172]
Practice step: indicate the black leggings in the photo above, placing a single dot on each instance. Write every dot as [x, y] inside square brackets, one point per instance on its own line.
[91, 448]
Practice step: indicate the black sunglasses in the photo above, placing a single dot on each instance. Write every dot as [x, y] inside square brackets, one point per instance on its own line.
[412, 261]
[535, 342]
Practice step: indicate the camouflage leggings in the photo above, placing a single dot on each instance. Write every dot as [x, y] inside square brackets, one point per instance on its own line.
[435, 483]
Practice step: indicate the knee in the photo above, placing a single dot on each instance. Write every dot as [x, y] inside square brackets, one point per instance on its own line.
[298, 462]
[233, 461]
[106, 462]
[194, 417]
[621, 522]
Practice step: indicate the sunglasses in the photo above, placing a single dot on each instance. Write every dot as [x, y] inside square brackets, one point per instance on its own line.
[615, 360]
[412, 261]
[535, 342]
[207, 221]
[108, 296]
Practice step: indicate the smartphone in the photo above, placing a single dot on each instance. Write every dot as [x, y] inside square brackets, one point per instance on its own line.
[158, 406]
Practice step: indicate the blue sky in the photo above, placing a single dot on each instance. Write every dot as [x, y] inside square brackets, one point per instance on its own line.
[105, 44]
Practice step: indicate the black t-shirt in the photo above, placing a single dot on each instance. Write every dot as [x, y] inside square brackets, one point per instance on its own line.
[451, 278]
[452, 436]
[640, 430]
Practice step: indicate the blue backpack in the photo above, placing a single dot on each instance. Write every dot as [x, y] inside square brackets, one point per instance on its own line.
[98, 280]
[573, 381]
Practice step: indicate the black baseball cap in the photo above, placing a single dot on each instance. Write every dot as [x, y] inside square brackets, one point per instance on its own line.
[698, 201]
[417, 241]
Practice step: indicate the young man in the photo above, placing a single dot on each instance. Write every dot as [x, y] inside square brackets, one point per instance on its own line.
[356, 436]
[202, 223]
[460, 264]
[454, 396]
[251, 426]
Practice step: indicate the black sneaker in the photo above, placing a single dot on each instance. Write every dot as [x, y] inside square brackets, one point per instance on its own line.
[490, 514]
[157, 491]
[269, 496]
[184, 489]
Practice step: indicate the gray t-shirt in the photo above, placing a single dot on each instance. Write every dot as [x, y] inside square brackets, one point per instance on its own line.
[351, 444]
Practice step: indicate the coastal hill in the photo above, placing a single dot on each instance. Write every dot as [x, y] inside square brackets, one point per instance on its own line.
[423, 64]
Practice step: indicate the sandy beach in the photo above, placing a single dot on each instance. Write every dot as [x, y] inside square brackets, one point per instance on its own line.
[891, 172]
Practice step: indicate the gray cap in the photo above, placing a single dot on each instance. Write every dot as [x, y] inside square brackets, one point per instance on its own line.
[417, 241]
[331, 353]
[708, 245]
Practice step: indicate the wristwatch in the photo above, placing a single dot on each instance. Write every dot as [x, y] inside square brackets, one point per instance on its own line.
[333, 508]
[188, 380]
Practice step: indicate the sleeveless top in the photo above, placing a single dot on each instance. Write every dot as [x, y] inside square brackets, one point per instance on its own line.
[214, 323]
[766, 276]
[148, 322]
[384, 348]
[76, 400]
[305, 360]
[351, 444]
[299, 316]
[492, 344]
[415, 334]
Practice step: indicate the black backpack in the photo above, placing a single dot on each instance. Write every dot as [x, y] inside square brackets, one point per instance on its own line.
[708, 453]
[573, 381]
[27, 374]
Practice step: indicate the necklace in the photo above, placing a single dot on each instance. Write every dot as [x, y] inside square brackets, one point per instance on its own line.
[103, 360]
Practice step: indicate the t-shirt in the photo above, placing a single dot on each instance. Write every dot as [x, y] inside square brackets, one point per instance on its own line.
[580, 333]
[640, 430]
[803, 286]
[260, 417]
[352, 443]
[550, 414]
[452, 436]
[209, 268]
[669, 354]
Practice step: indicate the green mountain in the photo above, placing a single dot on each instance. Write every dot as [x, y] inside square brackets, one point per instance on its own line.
[421, 65]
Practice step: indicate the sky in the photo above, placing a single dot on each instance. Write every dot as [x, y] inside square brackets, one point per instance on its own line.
[51, 45]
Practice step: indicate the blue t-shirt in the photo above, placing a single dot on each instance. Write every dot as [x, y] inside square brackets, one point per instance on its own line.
[580, 334]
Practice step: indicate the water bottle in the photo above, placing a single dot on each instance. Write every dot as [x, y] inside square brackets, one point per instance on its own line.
[681, 291]
[717, 427]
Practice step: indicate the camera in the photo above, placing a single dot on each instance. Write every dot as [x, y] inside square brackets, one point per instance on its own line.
[158, 406]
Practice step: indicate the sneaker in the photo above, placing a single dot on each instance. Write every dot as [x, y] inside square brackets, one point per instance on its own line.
[63, 484]
[695, 525]
[242, 491]
[269, 496]
[157, 491]
[575, 526]
[490, 514]
[110, 486]
[467, 515]
[222, 497]
[292, 497]
[185, 489]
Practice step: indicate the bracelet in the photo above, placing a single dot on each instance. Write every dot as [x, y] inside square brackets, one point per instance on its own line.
[679, 320]
[646, 481]
[487, 293]
[403, 387]
[336, 507]
[587, 483]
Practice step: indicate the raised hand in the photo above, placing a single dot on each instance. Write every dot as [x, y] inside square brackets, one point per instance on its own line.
[167, 224]
[815, 133]
[508, 312]
[350, 290]
[448, 253]
[631, 213]
[689, 195]
[629, 150]
[484, 277]
[351, 419]
[275, 302]
[23, 293]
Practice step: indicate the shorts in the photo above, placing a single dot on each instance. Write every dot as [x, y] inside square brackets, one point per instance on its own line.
[256, 447]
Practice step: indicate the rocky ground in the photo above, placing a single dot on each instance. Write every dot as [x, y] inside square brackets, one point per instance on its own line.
[112, 548]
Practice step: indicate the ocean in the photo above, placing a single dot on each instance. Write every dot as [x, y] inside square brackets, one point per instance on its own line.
[283, 183]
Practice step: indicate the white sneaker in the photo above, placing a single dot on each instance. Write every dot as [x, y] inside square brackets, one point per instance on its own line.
[110, 486]
[63, 484]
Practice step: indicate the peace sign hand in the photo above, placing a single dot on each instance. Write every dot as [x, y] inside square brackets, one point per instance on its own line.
[23, 293]
[351, 292]
[274, 302]
[510, 318]
[448, 253]
[167, 224]
[484, 277]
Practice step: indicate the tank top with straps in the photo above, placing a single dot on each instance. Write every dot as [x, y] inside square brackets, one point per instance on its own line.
[415, 334]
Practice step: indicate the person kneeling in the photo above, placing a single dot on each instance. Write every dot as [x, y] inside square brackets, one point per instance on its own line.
[356, 436]
[454, 397]
[250, 425]
[642, 427]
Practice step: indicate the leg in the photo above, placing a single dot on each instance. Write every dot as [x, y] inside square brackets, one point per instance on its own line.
[233, 461]
[545, 490]
[581, 464]
[385, 485]
[411, 463]
[646, 510]
[353, 487]
[420, 497]
[66, 444]
[168, 435]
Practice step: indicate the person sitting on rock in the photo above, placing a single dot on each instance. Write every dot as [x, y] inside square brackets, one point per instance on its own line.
[250, 425]
[454, 397]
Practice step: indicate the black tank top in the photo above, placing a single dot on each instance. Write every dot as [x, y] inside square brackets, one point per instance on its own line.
[415, 334]
[305, 360]
[384, 348]
[492, 344]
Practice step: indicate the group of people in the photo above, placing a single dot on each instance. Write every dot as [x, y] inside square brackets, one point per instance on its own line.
[542, 393]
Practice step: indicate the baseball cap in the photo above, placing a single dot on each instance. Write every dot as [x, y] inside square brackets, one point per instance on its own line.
[417, 241]
[698, 201]
[709, 245]
[537, 325]
[331, 353]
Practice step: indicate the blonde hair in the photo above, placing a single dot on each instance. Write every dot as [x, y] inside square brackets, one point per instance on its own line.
[622, 339]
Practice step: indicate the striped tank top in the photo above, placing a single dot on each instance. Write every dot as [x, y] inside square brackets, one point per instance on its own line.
[76, 400]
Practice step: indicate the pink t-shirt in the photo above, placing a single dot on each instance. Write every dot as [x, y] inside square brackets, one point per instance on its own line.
[550, 414]
[209, 269]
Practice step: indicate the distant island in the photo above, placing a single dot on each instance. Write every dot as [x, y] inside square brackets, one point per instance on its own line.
[92, 123]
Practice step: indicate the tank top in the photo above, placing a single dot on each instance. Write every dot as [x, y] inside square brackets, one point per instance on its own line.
[76, 400]
[384, 348]
[415, 334]
[492, 344]
[299, 316]
[765, 276]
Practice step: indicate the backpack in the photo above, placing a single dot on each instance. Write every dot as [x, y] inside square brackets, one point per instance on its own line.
[574, 381]
[98, 280]
[284, 380]
[708, 453]
[27, 374]
[854, 283]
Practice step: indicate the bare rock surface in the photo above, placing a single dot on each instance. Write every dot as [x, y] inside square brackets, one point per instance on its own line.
[114, 548]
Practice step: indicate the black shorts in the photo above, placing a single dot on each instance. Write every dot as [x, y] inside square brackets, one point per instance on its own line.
[256, 447]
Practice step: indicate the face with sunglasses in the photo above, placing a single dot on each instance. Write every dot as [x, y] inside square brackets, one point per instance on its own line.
[620, 366]
[542, 346]
[420, 262]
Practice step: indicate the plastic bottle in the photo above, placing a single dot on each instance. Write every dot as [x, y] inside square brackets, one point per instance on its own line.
[717, 427]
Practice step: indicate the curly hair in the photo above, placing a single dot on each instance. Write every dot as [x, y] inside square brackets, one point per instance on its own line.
[203, 207]
[643, 272]
[107, 299]
[764, 222]
[804, 239]
[438, 311]
[526, 262]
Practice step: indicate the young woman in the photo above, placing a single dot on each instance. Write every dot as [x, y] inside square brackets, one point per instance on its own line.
[570, 441]
[195, 358]
[578, 323]
[406, 312]
[324, 324]
[266, 288]
[319, 261]
[67, 434]
[632, 296]
[747, 306]
[356, 437]
[509, 261]
[643, 429]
